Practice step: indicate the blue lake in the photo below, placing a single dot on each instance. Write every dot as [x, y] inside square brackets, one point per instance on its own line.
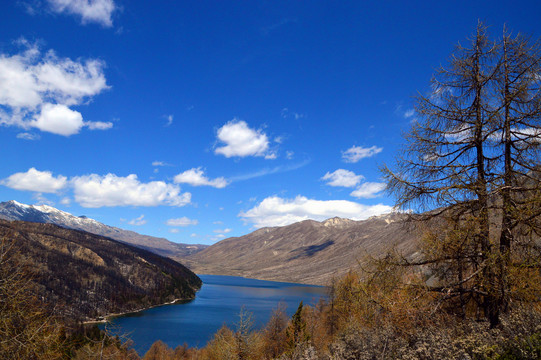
[218, 302]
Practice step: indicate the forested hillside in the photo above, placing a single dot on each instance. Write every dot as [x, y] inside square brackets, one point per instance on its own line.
[86, 276]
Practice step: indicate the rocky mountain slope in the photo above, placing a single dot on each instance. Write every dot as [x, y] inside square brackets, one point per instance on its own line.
[86, 276]
[306, 252]
[13, 210]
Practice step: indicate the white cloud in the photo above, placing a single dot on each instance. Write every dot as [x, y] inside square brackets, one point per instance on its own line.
[342, 177]
[35, 180]
[96, 11]
[409, 113]
[528, 135]
[222, 231]
[160, 163]
[138, 221]
[28, 136]
[36, 90]
[356, 153]
[174, 231]
[65, 201]
[110, 190]
[183, 221]
[41, 200]
[242, 141]
[58, 119]
[169, 119]
[276, 211]
[369, 190]
[196, 177]
[98, 125]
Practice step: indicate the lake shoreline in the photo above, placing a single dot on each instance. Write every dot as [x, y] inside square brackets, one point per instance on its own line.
[218, 302]
[283, 281]
[106, 318]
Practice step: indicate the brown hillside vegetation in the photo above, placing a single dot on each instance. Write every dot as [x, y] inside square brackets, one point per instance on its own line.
[384, 314]
[308, 252]
[86, 276]
[368, 316]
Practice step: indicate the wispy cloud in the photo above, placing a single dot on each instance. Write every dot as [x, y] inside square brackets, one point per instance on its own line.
[139, 221]
[277, 25]
[269, 171]
[285, 113]
[160, 163]
[169, 119]
[28, 136]
[183, 221]
[409, 113]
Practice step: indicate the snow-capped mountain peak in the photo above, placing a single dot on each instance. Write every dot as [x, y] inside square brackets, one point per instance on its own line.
[13, 210]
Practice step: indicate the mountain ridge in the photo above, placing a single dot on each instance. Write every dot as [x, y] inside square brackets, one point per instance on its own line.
[308, 251]
[13, 210]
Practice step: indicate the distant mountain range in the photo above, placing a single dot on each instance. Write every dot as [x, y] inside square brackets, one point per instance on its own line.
[13, 210]
[306, 252]
[309, 251]
[85, 276]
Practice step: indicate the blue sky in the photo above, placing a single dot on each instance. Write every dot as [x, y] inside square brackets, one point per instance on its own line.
[200, 120]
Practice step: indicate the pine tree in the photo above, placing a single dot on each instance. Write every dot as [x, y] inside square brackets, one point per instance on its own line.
[472, 161]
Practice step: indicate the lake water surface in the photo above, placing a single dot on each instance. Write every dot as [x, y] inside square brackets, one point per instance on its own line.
[218, 302]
